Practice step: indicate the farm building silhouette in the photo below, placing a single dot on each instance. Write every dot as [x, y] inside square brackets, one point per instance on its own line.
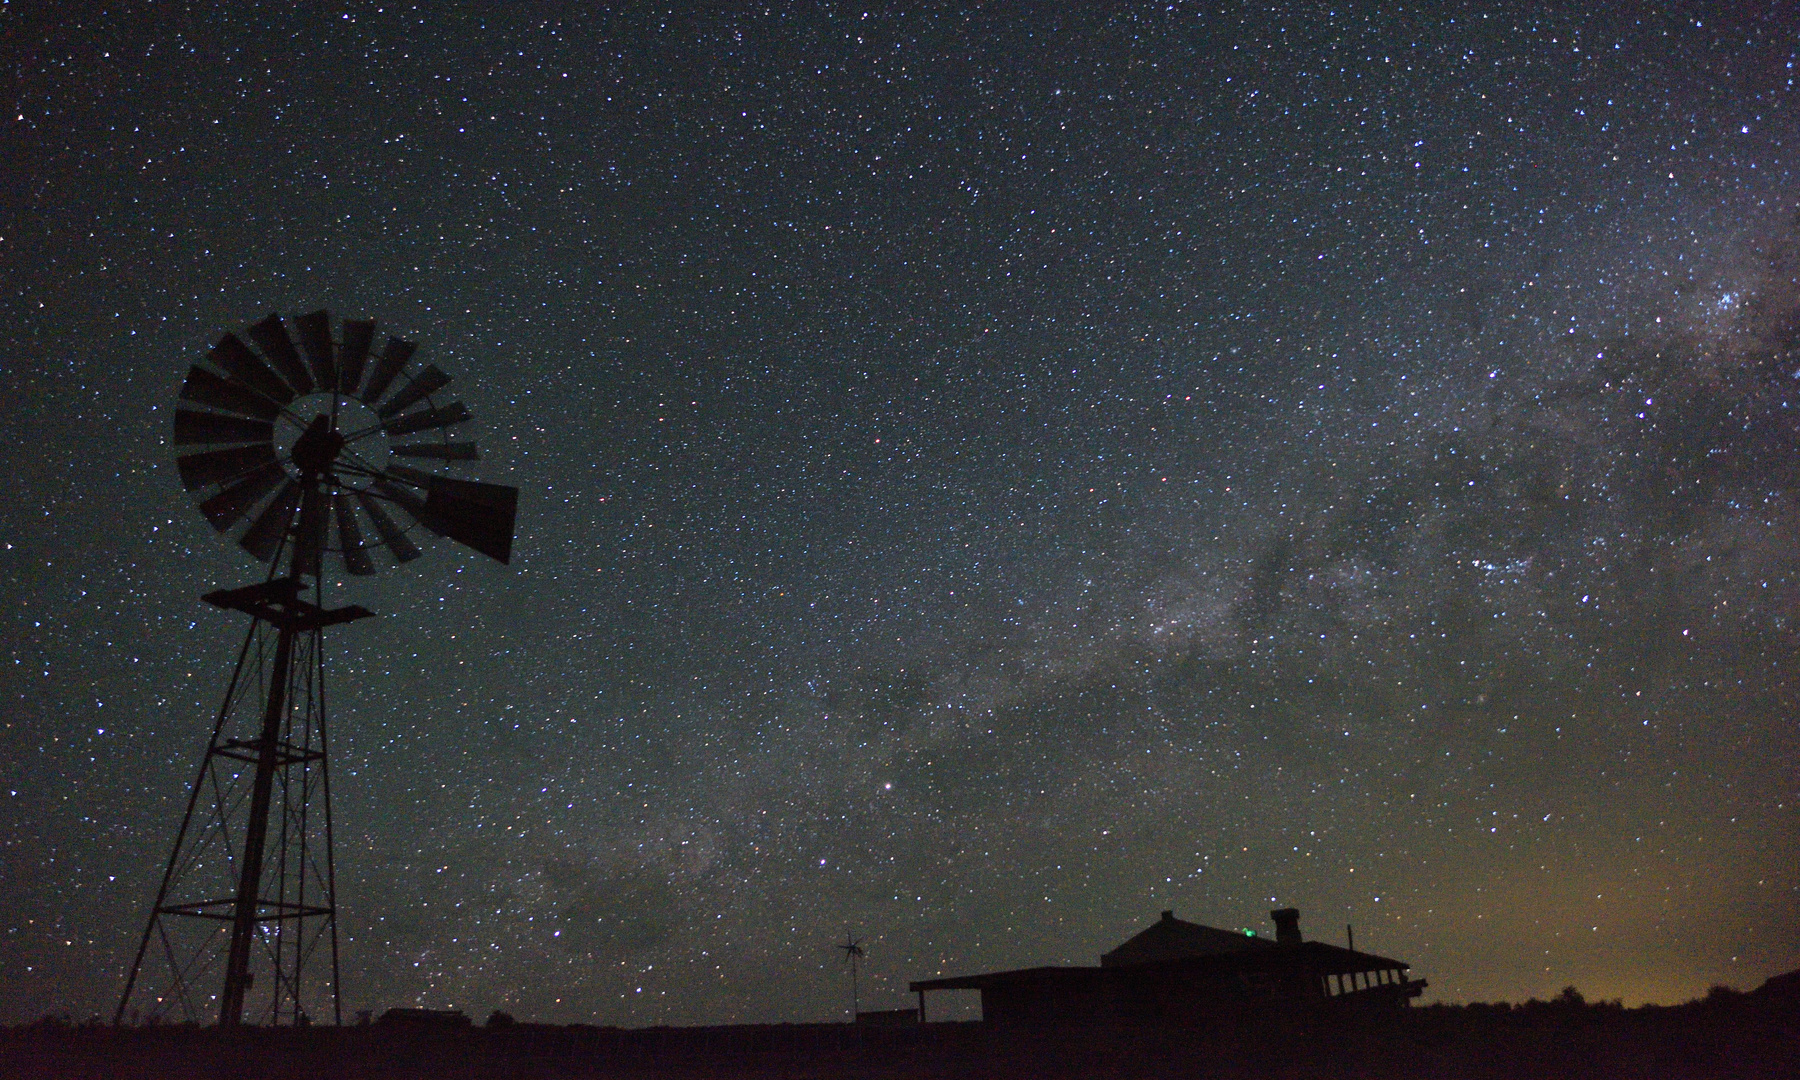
[1178, 972]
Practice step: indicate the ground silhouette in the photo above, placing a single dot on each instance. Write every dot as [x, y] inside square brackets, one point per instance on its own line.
[1725, 1034]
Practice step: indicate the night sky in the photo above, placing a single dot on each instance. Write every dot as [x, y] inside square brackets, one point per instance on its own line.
[985, 479]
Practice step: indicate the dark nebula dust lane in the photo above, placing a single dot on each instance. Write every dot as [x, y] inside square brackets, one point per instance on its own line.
[986, 479]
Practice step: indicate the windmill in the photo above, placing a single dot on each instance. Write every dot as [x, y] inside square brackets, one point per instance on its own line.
[853, 951]
[304, 455]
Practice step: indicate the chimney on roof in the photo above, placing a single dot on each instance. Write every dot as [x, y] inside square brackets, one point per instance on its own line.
[1168, 916]
[1287, 926]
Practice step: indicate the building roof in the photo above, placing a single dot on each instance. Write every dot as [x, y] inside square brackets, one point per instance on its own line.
[1314, 957]
[1170, 938]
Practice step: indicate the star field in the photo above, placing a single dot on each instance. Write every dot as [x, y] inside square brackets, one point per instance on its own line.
[985, 478]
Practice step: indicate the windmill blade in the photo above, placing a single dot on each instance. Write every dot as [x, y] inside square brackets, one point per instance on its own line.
[309, 538]
[192, 426]
[444, 451]
[356, 557]
[219, 466]
[271, 337]
[391, 534]
[401, 497]
[474, 514]
[263, 538]
[429, 381]
[235, 359]
[232, 503]
[315, 338]
[353, 353]
[425, 419]
[408, 475]
[205, 388]
[392, 361]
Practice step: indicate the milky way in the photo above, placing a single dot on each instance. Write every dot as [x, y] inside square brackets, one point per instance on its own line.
[985, 481]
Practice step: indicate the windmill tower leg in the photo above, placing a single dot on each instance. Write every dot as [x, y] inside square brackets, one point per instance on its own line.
[181, 836]
[249, 891]
[337, 997]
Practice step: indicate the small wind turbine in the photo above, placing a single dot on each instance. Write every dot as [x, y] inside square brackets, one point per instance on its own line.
[853, 951]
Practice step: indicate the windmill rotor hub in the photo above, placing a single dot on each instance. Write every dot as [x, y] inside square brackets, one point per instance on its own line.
[318, 446]
[360, 447]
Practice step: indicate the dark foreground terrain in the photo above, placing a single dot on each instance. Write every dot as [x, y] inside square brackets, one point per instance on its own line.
[1734, 1036]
